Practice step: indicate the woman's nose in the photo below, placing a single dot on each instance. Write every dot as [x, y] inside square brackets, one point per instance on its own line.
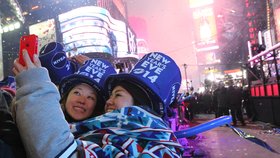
[82, 99]
[109, 101]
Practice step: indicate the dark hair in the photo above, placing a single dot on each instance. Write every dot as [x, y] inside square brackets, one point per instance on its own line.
[140, 97]
[98, 110]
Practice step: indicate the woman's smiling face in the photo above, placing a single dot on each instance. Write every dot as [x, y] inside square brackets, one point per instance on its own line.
[81, 102]
[119, 98]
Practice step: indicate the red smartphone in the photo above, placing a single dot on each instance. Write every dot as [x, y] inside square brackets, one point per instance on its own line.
[30, 43]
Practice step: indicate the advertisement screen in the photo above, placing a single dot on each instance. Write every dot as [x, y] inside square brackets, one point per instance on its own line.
[92, 29]
[45, 31]
[205, 29]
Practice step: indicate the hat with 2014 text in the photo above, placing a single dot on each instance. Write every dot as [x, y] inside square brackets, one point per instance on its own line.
[55, 60]
[94, 73]
[158, 75]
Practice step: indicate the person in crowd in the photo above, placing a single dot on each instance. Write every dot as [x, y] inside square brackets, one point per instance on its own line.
[188, 107]
[80, 86]
[214, 102]
[83, 96]
[10, 142]
[181, 110]
[196, 102]
[222, 100]
[250, 111]
[80, 59]
[113, 44]
[127, 131]
[82, 93]
[206, 102]
[235, 101]
[191, 103]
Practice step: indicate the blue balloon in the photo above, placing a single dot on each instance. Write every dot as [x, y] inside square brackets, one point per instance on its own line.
[203, 127]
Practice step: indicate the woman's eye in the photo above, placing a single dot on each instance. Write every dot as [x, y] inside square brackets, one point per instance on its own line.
[76, 92]
[118, 95]
[92, 98]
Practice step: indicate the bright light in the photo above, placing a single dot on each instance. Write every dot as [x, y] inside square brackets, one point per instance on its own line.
[17, 25]
[184, 84]
[205, 31]
[211, 77]
[11, 27]
[35, 7]
[244, 73]
[17, 9]
[201, 90]
[208, 48]
[5, 29]
[25, 13]
[219, 77]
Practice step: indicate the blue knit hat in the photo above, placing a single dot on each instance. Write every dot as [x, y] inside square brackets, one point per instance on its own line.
[55, 60]
[156, 74]
[94, 73]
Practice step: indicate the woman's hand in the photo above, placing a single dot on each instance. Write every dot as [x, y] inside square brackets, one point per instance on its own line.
[80, 59]
[18, 68]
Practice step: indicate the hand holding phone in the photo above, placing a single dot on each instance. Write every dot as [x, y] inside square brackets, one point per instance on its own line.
[29, 43]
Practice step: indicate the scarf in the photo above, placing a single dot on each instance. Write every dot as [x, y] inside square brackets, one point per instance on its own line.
[126, 132]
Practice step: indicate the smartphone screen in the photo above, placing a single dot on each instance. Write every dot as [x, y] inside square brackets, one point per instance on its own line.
[30, 43]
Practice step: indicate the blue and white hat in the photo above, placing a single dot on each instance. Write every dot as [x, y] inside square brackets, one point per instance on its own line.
[159, 76]
[94, 73]
[55, 60]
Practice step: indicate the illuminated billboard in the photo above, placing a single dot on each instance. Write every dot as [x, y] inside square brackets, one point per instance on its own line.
[92, 29]
[277, 23]
[205, 29]
[45, 31]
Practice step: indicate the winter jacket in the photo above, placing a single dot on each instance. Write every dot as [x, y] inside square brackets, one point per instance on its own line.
[222, 97]
[235, 98]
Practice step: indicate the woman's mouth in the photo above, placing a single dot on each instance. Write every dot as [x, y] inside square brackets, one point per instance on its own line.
[79, 109]
[109, 109]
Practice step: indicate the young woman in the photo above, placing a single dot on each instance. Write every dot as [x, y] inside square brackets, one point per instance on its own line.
[129, 131]
[149, 83]
[82, 93]
[125, 93]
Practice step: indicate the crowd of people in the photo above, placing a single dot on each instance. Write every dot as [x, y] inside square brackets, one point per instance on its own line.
[226, 99]
[90, 111]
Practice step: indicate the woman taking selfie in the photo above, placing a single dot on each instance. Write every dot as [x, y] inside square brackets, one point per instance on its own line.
[129, 131]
